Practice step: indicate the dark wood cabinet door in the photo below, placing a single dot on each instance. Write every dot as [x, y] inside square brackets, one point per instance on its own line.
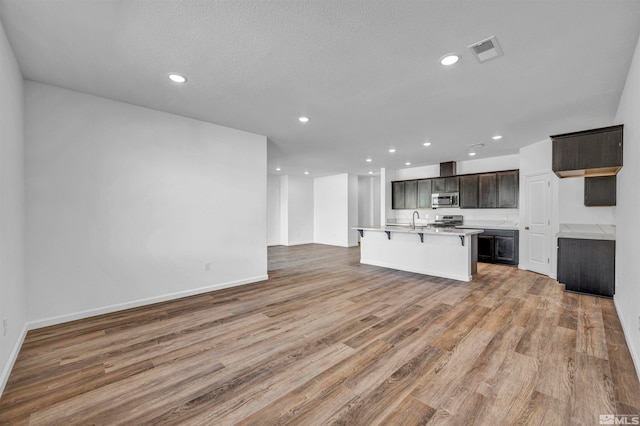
[590, 149]
[451, 184]
[587, 266]
[565, 155]
[505, 250]
[424, 194]
[601, 149]
[411, 194]
[397, 195]
[469, 192]
[438, 185]
[499, 246]
[508, 189]
[600, 191]
[485, 248]
[487, 191]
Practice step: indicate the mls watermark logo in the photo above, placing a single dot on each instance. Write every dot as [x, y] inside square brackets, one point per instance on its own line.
[619, 419]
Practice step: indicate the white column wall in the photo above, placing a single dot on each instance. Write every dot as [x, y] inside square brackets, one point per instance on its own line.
[284, 210]
[297, 210]
[352, 214]
[273, 210]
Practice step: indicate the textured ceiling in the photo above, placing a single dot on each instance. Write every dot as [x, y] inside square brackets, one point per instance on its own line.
[366, 72]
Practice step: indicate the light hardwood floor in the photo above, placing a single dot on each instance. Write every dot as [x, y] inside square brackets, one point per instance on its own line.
[329, 341]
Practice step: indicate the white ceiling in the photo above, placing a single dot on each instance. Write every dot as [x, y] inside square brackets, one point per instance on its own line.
[366, 72]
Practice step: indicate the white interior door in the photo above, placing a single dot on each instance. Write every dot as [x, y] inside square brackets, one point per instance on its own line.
[537, 226]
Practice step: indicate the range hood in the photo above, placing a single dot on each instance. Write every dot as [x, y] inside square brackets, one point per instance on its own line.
[448, 169]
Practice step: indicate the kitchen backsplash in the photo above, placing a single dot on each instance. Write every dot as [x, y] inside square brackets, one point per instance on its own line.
[470, 215]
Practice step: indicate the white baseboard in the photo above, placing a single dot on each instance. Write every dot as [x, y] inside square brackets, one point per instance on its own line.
[524, 268]
[12, 358]
[299, 243]
[141, 302]
[627, 336]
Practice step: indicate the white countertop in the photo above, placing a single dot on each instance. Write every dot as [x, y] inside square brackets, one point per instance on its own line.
[470, 224]
[587, 231]
[491, 224]
[420, 230]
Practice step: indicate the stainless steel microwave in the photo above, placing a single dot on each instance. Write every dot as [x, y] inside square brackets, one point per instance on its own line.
[445, 199]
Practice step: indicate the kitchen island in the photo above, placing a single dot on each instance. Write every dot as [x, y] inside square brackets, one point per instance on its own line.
[448, 253]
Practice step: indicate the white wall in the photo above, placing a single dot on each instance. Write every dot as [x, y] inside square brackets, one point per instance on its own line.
[627, 297]
[13, 307]
[481, 165]
[335, 210]
[572, 209]
[296, 210]
[273, 210]
[126, 204]
[368, 201]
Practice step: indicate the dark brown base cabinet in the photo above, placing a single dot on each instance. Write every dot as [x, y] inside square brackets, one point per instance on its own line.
[498, 246]
[587, 266]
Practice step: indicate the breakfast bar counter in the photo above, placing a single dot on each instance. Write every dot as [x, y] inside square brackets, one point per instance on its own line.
[448, 253]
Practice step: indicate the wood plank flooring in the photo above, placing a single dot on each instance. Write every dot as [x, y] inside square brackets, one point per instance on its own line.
[329, 341]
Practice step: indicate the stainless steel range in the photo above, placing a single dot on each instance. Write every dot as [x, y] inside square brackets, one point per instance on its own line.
[447, 221]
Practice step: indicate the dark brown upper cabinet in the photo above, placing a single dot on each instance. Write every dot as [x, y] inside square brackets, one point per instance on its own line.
[469, 192]
[448, 184]
[489, 190]
[600, 191]
[397, 195]
[508, 189]
[411, 194]
[452, 184]
[487, 186]
[596, 152]
[484, 190]
[424, 194]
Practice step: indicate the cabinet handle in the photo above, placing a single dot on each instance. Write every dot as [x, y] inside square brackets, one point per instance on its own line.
[526, 228]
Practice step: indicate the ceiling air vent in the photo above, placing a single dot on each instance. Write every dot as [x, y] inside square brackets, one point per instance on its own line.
[486, 49]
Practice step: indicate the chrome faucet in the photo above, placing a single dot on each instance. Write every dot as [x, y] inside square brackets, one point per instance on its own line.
[413, 219]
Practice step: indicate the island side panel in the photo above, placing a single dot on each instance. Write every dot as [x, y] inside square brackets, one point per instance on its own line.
[439, 255]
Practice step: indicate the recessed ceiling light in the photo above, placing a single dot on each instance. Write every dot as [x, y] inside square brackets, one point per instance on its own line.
[303, 119]
[472, 154]
[278, 169]
[368, 160]
[370, 173]
[177, 78]
[392, 150]
[449, 59]
[306, 173]
[427, 144]
[496, 137]
[408, 163]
